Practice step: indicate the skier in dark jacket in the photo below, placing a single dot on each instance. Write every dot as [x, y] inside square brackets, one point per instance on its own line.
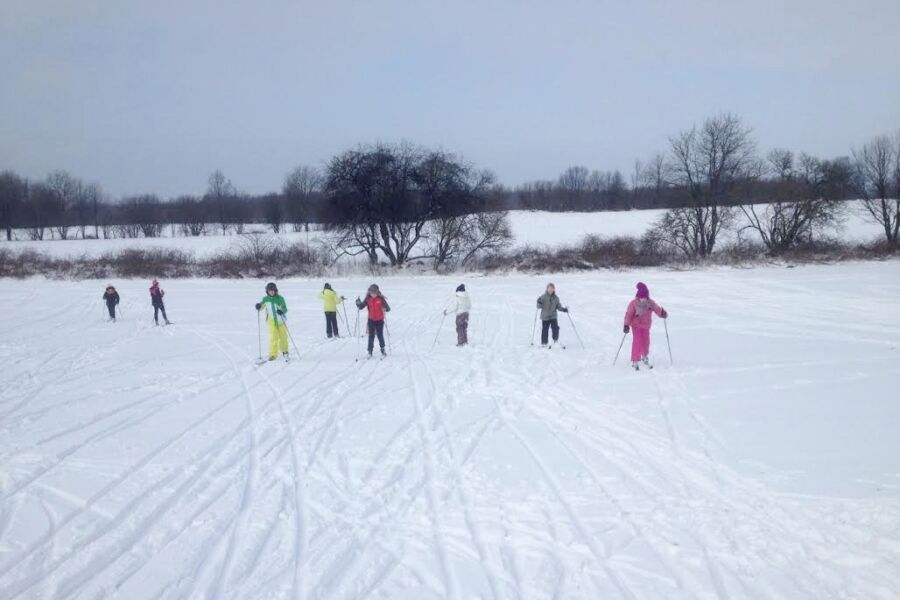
[549, 303]
[378, 306]
[111, 297]
[156, 299]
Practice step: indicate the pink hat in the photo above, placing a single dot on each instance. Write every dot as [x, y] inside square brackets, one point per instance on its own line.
[642, 290]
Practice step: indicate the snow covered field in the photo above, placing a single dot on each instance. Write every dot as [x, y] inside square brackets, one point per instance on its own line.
[140, 462]
[529, 227]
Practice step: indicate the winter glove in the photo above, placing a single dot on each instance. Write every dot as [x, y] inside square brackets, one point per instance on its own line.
[343, 298]
[258, 306]
[280, 312]
[626, 329]
[664, 314]
[564, 309]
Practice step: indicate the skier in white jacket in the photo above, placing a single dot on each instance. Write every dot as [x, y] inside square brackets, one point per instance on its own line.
[460, 306]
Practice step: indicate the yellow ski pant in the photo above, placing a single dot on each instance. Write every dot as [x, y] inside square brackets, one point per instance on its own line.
[277, 337]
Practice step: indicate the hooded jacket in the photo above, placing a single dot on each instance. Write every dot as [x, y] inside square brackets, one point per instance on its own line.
[460, 304]
[549, 304]
[111, 298]
[639, 313]
[156, 295]
[377, 306]
[330, 299]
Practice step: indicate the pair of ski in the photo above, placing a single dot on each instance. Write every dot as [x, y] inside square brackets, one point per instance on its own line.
[261, 361]
[551, 346]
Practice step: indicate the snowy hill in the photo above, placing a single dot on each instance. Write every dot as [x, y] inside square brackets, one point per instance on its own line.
[142, 462]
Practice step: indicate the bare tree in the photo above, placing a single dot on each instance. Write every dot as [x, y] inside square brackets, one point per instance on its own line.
[656, 174]
[273, 207]
[491, 232]
[219, 191]
[92, 198]
[574, 180]
[191, 216]
[877, 167]
[42, 208]
[801, 200]
[13, 194]
[300, 186]
[374, 194]
[68, 190]
[707, 162]
[143, 213]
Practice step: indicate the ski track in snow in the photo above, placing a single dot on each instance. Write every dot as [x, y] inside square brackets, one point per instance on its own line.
[144, 462]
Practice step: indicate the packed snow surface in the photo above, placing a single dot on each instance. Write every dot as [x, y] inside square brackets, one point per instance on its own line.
[142, 462]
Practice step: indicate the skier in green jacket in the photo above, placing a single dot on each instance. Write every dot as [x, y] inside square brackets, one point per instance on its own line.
[330, 299]
[276, 314]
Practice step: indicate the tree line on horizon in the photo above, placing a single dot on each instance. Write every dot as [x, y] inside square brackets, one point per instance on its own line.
[390, 198]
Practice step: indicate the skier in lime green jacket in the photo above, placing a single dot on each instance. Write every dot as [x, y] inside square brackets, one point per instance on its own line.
[330, 299]
[276, 316]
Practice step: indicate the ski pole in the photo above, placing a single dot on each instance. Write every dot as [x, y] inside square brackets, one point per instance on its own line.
[346, 321]
[441, 326]
[387, 330]
[666, 325]
[283, 322]
[620, 349]
[534, 325]
[259, 335]
[575, 330]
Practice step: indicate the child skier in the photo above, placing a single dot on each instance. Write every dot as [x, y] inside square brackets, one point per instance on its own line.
[111, 297]
[549, 303]
[330, 300]
[638, 319]
[460, 306]
[377, 306]
[276, 312]
[156, 300]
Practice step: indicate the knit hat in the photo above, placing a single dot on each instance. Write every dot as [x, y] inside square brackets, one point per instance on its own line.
[373, 287]
[154, 283]
[271, 286]
[327, 286]
[461, 287]
[642, 290]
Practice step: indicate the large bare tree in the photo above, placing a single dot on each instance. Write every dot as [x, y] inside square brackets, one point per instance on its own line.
[707, 162]
[802, 196]
[877, 166]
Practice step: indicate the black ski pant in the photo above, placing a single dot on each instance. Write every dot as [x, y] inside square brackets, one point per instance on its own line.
[111, 307]
[462, 329]
[331, 327]
[156, 309]
[376, 328]
[546, 326]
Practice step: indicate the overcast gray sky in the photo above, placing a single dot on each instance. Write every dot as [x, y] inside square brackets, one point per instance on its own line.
[152, 96]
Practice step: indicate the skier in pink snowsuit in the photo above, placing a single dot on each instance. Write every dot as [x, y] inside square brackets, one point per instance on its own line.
[638, 319]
